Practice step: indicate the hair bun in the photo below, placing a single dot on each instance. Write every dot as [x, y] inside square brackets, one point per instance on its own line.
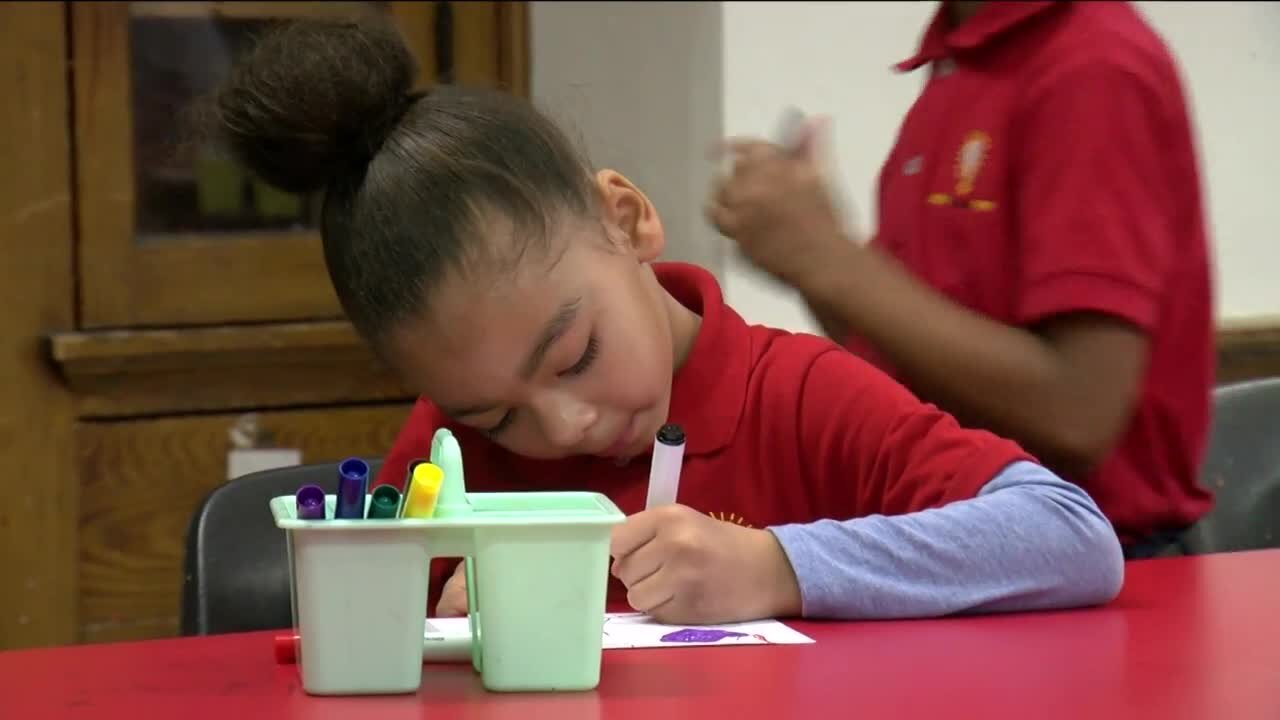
[315, 99]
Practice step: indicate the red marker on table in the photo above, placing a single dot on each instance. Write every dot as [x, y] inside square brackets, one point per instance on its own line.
[436, 648]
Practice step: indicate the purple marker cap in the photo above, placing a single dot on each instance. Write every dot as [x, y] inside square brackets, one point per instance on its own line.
[310, 502]
[353, 483]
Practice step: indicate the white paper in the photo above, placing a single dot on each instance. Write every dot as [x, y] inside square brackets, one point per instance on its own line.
[635, 630]
[450, 628]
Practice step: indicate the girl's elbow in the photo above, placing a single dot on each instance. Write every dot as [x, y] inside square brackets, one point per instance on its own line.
[1101, 560]
[1086, 550]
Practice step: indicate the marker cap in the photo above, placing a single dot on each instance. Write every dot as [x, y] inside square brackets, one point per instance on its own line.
[671, 435]
[353, 482]
[385, 502]
[424, 491]
[310, 502]
[286, 650]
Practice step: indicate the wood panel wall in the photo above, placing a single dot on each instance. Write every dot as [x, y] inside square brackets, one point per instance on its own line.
[38, 498]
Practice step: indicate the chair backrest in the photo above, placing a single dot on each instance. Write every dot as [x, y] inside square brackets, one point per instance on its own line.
[1242, 468]
[237, 567]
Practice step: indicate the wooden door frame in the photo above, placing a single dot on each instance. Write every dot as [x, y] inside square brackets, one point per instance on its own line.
[38, 517]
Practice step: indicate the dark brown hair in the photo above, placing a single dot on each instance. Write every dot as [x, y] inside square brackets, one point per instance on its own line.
[411, 181]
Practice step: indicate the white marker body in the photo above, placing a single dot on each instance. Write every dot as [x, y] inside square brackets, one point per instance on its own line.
[664, 474]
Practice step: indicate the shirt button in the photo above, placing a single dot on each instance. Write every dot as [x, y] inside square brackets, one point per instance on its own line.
[943, 67]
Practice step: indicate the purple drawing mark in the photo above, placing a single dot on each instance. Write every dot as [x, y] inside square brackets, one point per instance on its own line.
[699, 635]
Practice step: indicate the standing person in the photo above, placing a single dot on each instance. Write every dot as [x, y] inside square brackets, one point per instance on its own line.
[1041, 267]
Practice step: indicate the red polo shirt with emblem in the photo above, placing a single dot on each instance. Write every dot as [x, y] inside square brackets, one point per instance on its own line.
[1049, 167]
[780, 428]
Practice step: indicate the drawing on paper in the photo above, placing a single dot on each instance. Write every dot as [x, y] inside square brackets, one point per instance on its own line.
[700, 635]
[635, 630]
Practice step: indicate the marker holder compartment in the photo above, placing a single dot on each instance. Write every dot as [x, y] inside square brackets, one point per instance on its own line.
[537, 580]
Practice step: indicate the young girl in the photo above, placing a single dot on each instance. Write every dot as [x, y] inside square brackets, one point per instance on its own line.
[519, 294]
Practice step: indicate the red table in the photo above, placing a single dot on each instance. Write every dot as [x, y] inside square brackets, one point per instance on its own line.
[1188, 638]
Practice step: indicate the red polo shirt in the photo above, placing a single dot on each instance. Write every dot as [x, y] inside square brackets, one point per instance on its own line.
[1049, 167]
[780, 428]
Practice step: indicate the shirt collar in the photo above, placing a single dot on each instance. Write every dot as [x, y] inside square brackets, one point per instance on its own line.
[708, 392]
[989, 23]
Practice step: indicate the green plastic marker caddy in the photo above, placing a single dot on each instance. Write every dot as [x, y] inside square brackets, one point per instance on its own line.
[536, 566]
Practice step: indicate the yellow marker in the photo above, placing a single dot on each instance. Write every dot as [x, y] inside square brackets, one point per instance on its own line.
[424, 488]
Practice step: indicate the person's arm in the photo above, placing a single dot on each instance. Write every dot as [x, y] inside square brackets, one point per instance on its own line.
[1094, 244]
[1064, 389]
[1029, 541]
[832, 326]
[928, 517]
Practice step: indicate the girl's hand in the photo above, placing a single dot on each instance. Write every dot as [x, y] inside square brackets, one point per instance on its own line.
[453, 599]
[681, 566]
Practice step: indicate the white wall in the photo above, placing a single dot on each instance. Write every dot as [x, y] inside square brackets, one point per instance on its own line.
[825, 58]
[1230, 58]
[640, 85]
[652, 85]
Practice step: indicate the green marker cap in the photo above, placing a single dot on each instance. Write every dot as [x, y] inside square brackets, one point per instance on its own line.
[385, 502]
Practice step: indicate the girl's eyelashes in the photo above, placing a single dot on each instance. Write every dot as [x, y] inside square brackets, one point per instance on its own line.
[588, 357]
[503, 424]
[584, 363]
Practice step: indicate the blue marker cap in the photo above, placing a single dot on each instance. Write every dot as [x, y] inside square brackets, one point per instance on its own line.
[310, 502]
[353, 482]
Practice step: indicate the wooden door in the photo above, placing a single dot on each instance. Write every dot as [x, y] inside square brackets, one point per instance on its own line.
[37, 515]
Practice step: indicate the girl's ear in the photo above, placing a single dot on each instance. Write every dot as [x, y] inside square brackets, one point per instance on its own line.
[626, 208]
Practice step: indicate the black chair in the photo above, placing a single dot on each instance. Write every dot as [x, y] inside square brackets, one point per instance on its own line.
[236, 571]
[1242, 467]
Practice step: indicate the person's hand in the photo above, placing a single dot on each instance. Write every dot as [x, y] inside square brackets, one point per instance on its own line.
[453, 599]
[681, 566]
[776, 204]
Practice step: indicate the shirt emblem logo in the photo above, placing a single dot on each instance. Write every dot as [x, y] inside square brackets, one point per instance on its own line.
[913, 165]
[730, 518]
[969, 160]
[973, 151]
